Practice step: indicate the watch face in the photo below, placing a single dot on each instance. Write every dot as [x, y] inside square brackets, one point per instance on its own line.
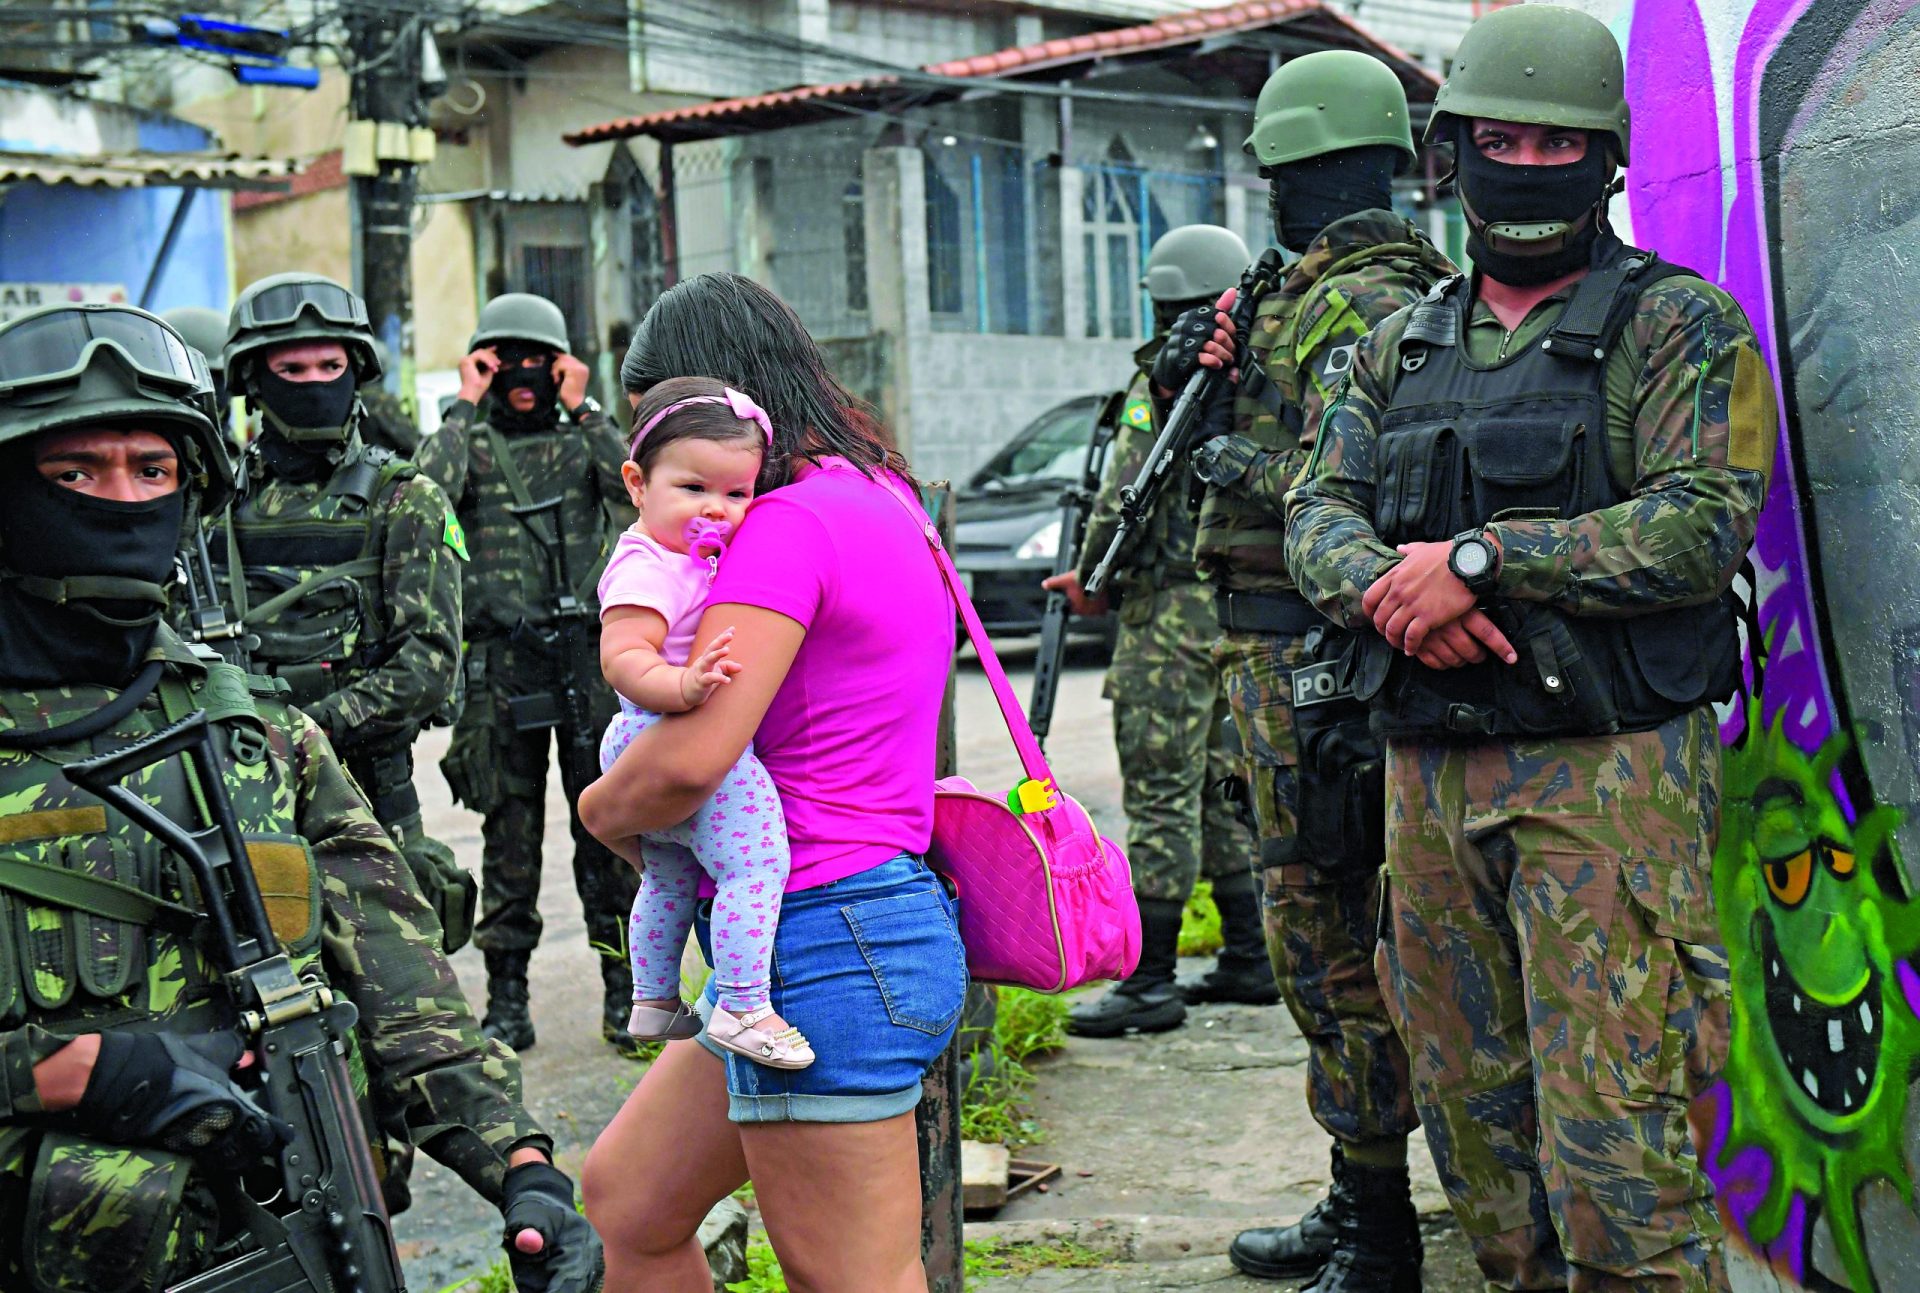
[1470, 559]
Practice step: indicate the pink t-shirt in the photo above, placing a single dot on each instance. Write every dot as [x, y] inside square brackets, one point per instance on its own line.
[644, 573]
[849, 738]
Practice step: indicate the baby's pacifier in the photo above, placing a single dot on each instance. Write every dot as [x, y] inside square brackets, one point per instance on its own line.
[707, 538]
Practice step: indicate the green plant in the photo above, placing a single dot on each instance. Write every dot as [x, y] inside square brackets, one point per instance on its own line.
[763, 1270]
[497, 1278]
[1200, 923]
[994, 1259]
[1025, 1024]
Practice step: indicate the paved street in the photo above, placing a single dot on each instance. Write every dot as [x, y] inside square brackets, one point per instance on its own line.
[1169, 1144]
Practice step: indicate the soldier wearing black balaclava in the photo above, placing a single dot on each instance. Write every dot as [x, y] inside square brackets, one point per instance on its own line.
[523, 431]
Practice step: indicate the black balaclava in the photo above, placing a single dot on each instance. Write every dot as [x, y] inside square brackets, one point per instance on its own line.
[48, 531]
[1305, 197]
[513, 376]
[305, 424]
[1494, 192]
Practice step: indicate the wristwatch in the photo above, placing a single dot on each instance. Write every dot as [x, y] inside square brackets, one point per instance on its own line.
[584, 408]
[1475, 562]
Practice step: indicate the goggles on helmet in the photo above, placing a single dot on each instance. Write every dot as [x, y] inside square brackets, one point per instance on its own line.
[59, 343]
[282, 304]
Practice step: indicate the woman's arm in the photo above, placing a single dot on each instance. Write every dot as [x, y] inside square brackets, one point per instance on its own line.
[675, 766]
[630, 638]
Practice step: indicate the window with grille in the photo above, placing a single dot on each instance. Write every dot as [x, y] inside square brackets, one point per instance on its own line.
[560, 275]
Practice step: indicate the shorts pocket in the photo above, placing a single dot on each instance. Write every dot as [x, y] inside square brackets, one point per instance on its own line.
[911, 946]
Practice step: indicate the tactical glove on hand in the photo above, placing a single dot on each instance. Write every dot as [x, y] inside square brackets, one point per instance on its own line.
[1179, 358]
[539, 1197]
[176, 1093]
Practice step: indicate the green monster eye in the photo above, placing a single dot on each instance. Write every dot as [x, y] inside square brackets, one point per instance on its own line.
[1788, 879]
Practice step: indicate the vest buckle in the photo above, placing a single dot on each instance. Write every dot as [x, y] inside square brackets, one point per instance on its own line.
[1413, 361]
[1472, 720]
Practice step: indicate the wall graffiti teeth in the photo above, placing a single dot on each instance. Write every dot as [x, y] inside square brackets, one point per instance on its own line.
[1778, 154]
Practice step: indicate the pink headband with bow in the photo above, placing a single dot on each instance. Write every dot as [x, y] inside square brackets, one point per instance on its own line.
[739, 401]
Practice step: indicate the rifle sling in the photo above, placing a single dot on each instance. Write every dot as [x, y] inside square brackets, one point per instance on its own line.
[358, 568]
[108, 899]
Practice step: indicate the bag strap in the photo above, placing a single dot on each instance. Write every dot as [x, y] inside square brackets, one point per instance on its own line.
[94, 895]
[1032, 761]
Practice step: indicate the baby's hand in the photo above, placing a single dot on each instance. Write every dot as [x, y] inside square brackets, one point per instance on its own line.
[708, 670]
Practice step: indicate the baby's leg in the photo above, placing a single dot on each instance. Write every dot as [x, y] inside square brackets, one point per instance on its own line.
[662, 917]
[740, 838]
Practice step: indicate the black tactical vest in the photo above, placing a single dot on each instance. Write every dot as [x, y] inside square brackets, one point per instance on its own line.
[1462, 445]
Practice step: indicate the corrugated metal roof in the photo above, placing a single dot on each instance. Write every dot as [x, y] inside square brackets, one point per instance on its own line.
[815, 102]
[147, 170]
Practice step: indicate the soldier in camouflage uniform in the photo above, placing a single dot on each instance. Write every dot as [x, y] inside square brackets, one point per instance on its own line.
[385, 421]
[1179, 776]
[1533, 494]
[343, 561]
[1330, 173]
[517, 453]
[117, 1040]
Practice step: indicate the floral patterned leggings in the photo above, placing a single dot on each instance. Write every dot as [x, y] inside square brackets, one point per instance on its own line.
[739, 837]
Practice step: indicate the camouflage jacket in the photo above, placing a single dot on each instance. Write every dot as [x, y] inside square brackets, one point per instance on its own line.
[402, 662]
[387, 422]
[1162, 550]
[1692, 422]
[508, 582]
[1357, 272]
[338, 895]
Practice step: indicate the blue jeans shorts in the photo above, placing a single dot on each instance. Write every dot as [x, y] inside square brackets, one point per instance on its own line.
[871, 969]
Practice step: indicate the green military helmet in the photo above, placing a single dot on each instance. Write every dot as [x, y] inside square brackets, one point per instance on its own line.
[293, 307]
[521, 316]
[70, 366]
[1328, 101]
[1540, 64]
[1193, 262]
[206, 331]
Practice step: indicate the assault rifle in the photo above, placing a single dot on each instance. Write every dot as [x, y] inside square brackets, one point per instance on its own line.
[315, 1213]
[1076, 509]
[1177, 435]
[566, 642]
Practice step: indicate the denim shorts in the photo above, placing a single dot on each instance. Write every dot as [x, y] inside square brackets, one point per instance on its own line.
[871, 969]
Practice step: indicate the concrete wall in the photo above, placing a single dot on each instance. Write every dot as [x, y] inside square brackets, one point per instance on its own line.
[970, 393]
[1778, 153]
[446, 296]
[302, 233]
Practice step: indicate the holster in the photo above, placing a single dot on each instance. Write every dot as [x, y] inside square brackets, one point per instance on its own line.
[1342, 774]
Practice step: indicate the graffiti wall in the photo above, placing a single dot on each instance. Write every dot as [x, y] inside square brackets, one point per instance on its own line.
[1777, 152]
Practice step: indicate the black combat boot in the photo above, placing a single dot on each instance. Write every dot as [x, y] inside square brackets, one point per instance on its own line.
[1298, 1250]
[1146, 1000]
[1378, 1248]
[509, 1014]
[616, 1003]
[1242, 974]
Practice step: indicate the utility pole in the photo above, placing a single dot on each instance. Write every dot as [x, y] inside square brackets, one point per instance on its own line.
[387, 141]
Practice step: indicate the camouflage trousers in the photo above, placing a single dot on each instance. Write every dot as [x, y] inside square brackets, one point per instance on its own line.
[1321, 926]
[1555, 966]
[1176, 756]
[515, 821]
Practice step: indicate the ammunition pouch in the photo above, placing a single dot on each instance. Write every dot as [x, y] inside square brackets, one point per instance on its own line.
[448, 887]
[533, 713]
[153, 1238]
[1342, 787]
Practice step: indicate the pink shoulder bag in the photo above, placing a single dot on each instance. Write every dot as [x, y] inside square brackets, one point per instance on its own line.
[1046, 901]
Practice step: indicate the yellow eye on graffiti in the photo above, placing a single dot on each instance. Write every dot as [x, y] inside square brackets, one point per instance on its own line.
[1789, 878]
[1840, 861]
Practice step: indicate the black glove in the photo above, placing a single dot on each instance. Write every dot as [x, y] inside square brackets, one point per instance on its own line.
[1180, 356]
[176, 1093]
[538, 1196]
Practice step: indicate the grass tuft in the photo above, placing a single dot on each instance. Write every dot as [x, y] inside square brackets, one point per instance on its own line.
[994, 1259]
[1200, 923]
[1026, 1024]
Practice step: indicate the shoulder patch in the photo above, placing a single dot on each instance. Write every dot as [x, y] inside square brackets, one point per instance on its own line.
[454, 535]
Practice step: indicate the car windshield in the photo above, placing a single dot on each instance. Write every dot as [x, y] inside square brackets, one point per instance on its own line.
[1052, 449]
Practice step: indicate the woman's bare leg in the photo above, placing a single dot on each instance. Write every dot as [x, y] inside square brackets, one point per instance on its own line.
[666, 1158]
[841, 1202]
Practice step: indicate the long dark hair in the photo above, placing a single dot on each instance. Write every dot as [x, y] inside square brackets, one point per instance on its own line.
[732, 329]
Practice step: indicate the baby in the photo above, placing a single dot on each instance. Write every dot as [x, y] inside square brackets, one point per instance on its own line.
[691, 473]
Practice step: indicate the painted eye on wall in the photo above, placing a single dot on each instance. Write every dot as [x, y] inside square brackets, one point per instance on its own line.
[1841, 862]
[1789, 878]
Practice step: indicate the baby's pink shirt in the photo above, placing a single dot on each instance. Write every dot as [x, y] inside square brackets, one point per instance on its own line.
[643, 572]
[849, 738]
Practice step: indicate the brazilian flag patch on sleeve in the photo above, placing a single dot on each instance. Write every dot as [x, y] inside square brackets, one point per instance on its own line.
[455, 536]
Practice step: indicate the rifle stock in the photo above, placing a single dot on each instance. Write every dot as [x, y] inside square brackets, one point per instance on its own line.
[1138, 499]
[1076, 509]
[569, 644]
[320, 1222]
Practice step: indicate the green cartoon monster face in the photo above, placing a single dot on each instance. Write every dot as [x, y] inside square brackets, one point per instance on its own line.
[1819, 930]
